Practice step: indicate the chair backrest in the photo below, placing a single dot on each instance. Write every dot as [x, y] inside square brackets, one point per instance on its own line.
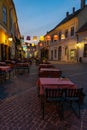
[73, 92]
[54, 93]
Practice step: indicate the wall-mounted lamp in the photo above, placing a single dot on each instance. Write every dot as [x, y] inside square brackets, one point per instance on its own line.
[77, 44]
[10, 39]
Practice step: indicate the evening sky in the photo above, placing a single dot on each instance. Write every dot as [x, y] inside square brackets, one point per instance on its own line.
[37, 17]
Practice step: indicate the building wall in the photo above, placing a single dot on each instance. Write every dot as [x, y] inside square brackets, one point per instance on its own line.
[82, 17]
[81, 44]
[70, 51]
[8, 29]
[69, 42]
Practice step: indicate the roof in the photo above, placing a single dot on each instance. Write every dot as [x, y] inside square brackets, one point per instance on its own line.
[66, 19]
[83, 28]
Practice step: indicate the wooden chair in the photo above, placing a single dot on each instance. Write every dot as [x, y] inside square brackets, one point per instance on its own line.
[73, 96]
[2, 76]
[54, 74]
[55, 96]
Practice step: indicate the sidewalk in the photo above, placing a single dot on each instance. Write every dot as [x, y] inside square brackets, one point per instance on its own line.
[62, 62]
[20, 108]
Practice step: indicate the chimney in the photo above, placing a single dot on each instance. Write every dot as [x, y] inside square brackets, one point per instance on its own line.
[73, 10]
[67, 14]
[82, 4]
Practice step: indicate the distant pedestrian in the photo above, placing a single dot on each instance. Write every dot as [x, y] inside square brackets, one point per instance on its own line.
[80, 59]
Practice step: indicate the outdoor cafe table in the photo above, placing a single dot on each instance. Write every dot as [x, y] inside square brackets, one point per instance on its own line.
[6, 69]
[50, 72]
[45, 66]
[23, 65]
[2, 63]
[54, 83]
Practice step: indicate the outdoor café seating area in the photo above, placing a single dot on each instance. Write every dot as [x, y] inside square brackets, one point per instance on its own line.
[52, 87]
[9, 68]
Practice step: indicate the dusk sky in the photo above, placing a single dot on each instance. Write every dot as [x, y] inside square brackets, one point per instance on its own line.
[36, 17]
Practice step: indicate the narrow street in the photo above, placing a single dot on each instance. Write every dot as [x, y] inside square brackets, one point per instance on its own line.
[20, 104]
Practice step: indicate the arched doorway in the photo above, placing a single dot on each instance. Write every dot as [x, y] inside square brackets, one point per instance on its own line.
[45, 53]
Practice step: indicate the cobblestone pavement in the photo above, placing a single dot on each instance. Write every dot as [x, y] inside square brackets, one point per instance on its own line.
[20, 105]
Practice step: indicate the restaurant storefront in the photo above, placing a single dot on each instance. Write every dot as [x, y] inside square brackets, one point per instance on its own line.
[4, 46]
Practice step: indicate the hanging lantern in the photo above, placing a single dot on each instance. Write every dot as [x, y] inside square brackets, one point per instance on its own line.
[48, 37]
[28, 44]
[40, 44]
[33, 44]
[41, 38]
[35, 38]
[55, 37]
[62, 36]
[33, 49]
[22, 37]
[28, 38]
[28, 49]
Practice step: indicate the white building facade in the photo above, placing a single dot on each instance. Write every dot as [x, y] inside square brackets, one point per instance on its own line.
[70, 45]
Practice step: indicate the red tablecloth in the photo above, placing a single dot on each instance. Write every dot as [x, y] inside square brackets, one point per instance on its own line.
[2, 63]
[46, 66]
[5, 68]
[54, 83]
[49, 69]
[50, 72]
[22, 64]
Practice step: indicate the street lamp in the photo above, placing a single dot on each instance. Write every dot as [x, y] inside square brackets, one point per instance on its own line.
[10, 39]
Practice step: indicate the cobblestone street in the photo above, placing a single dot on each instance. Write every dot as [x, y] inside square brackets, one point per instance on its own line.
[20, 104]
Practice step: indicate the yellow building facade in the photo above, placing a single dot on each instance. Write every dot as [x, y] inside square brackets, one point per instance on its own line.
[8, 29]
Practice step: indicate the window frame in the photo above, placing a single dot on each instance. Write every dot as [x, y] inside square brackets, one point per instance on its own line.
[72, 31]
[4, 12]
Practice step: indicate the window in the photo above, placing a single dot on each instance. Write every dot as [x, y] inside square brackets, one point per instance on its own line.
[66, 50]
[10, 20]
[4, 15]
[72, 31]
[55, 53]
[51, 54]
[85, 50]
[66, 33]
